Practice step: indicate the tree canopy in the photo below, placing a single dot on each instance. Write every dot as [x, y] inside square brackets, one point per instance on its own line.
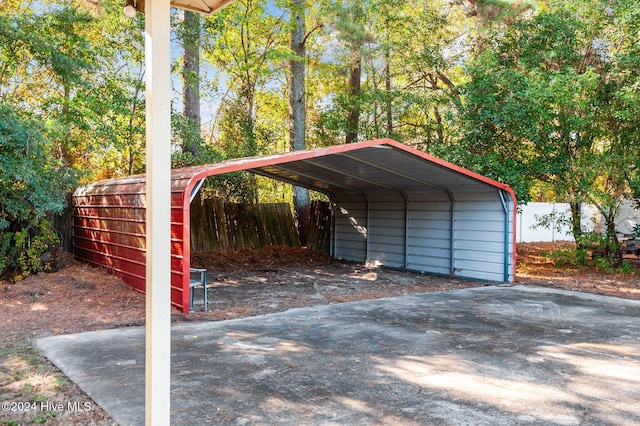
[542, 105]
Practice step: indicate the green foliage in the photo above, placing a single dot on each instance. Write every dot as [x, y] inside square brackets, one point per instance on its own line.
[185, 133]
[626, 268]
[593, 250]
[83, 77]
[32, 182]
[208, 155]
[47, 63]
[32, 185]
[538, 109]
[249, 46]
[567, 257]
[29, 244]
[408, 82]
[597, 253]
[527, 108]
[606, 251]
[52, 42]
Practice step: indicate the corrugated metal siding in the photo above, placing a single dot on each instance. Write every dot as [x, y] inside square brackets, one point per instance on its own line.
[109, 222]
[350, 230]
[387, 229]
[458, 234]
[109, 230]
[429, 239]
[179, 249]
[479, 238]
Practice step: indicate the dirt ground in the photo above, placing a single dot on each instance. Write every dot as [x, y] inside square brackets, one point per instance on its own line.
[536, 267]
[243, 283]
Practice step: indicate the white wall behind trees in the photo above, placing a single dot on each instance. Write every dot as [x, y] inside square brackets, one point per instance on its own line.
[530, 214]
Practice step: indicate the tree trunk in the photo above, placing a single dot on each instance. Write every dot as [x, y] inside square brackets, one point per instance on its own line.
[613, 249]
[249, 138]
[191, 78]
[387, 81]
[355, 78]
[439, 125]
[576, 221]
[131, 160]
[297, 109]
[66, 119]
[249, 127]
[389, 106]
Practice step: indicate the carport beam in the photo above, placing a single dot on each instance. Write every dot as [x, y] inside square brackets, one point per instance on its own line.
[452, 243]
[406, 231]
[505, 206]
[195, 190]
[368, 221]
[332, 229]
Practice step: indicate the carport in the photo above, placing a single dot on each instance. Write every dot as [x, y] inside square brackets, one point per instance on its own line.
[392, 205]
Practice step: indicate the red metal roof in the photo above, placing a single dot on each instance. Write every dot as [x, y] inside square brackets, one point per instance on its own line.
[109, 216]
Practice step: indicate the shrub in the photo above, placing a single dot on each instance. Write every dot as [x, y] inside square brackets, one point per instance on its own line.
[33, 183]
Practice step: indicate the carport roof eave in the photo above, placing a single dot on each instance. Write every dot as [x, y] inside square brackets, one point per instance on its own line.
[188, 177]
[185, 179]
[452, 167]
[192, 174]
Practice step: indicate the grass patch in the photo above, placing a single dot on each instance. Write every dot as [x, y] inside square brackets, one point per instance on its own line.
[27, 382]
[568, 257]
[39, 393]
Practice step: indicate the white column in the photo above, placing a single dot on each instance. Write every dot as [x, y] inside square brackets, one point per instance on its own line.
[158, 198]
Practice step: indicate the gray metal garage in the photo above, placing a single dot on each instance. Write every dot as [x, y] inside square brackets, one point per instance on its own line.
[393, 206]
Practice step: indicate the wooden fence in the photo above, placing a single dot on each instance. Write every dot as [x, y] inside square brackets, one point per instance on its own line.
[319, 231]
[220, 225]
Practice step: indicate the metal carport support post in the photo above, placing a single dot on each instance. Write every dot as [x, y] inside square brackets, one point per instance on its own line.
[452, 242]
[505, 206]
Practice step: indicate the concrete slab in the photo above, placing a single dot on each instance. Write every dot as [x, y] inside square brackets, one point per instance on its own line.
[481, 356]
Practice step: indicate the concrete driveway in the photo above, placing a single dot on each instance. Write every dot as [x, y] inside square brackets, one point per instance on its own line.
[480, 356]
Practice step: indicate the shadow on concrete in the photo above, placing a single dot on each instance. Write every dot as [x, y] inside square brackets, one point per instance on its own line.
[490, 355]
